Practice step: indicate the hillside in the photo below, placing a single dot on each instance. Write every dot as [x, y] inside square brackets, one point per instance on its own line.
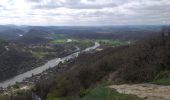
[15, 59]
[138, 63]
[145, 61]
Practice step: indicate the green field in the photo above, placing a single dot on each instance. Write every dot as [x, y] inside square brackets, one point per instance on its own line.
[84, 42]
[40, 54]
[112, 42]
[59, 41]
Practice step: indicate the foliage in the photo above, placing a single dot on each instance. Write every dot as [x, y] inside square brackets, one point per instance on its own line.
[100, 92]
[40, 54]
[136, 63]
[163, 78]
[163, 81]
[113, 42]
[104, 93]
[59, 41]
[15, 60]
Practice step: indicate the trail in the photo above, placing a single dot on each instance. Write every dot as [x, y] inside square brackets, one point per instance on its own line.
[146, 91]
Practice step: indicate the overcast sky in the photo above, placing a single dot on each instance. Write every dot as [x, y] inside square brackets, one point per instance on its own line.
[84, 12]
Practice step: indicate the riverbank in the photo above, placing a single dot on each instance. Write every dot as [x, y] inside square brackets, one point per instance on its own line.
[50, 64]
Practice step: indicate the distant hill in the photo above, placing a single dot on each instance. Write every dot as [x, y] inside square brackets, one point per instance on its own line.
[8, 33]
[34, 33]
[34, 36]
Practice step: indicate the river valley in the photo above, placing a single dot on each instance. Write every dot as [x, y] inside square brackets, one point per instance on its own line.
[49, 64]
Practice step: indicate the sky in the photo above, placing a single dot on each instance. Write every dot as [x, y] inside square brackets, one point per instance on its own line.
[84, 12]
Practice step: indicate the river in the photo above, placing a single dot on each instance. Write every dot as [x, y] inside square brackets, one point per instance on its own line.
[49, 64]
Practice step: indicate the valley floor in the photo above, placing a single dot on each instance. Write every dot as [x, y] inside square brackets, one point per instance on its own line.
[146, 91]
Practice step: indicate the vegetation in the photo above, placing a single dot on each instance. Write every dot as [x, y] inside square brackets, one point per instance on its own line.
[17, 58]
[163, 78]
[104, 93]
[140, 62]
[2, 97]
[59, 41]
[113, 42]
[40, 54]
[60, 36]
[2, 46]
[163, 81]
[100, 92]
[143, 61]
[14, 60]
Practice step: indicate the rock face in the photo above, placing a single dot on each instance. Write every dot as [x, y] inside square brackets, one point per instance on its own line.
[146, 91]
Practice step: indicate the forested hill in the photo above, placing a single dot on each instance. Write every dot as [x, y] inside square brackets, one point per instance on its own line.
[36, 34]
[2, 46]
[15, 59]
[144, 61]
[141, 62]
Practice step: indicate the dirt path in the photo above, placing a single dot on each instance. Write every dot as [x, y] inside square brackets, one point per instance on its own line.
[147, 91]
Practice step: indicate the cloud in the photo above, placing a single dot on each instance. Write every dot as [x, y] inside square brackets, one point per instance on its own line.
[36, 1]
[73, 4]
[84, 12]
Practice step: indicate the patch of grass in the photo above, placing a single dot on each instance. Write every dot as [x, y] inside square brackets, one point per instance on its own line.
[103, 93]
[82, 43]
[4, 97]
[112, 42]
[40, 54]
[85, 43]
[163, 81]
[59, 41]
[163, 78]
[52, 96]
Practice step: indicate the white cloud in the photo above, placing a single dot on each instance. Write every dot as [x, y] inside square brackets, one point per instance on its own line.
[84, 12]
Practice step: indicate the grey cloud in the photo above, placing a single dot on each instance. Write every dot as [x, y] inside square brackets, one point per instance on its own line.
[157, 12]
[36, 1]
[73, 4]
[115, 12]
[91, 0]
[3, 8]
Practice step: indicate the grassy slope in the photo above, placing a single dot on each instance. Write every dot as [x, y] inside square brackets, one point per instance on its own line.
[163, 81]
[103, 93]
[99, 93]
[163, 78]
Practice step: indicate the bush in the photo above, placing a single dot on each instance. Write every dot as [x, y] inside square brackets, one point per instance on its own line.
[163, 74]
